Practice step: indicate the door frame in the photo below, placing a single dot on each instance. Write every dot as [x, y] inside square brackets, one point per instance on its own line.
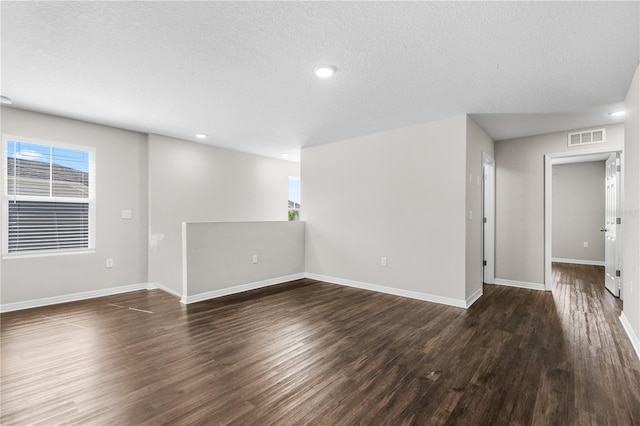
[489, 212]
[613, 262]
[568, 158]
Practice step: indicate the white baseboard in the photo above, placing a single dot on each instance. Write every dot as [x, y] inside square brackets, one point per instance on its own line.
[239, 288]
[156, 286]
[459, 303]
[519, 284]
[475, 296]
[578, 261]
[36, 303]
[635, 341]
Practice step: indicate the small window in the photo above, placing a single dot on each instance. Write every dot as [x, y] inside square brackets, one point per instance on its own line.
[48, 201]
[294, 198]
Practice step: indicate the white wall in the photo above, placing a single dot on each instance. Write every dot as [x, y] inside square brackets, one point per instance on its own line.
[520, 200]
[121, 184]
[219, 256]
[399, 194]
[193, 182]
[477, 143]
[631, 217]
[578, 211]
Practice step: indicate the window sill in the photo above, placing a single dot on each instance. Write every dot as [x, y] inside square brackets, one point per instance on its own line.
[47, 254]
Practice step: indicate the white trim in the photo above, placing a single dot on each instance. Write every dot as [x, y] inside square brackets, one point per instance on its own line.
[578, 261]
[489, 212]
[473, 298]
[459, 303]
[520, 284]
[635, 341]
[239, 288]
[156, 286]
[185, 286]
[549, 161]
[548, 184]
[25, 255]
[35, 303]
[5, 197]
[620, 235]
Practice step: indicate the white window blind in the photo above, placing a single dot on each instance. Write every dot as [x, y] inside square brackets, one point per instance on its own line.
[49, 197]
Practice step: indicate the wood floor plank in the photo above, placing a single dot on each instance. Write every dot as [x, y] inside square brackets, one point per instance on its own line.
[309, 352]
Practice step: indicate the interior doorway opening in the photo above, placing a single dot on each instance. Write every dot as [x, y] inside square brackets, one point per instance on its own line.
[612, 204]
[488, 218]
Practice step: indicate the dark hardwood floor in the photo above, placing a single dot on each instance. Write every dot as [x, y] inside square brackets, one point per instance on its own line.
[316, 353]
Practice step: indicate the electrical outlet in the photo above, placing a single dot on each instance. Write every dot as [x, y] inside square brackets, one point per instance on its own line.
[470, 214]
[126, 214]
[108, 263]
[585, 244]
[383, 261]
[255, 258]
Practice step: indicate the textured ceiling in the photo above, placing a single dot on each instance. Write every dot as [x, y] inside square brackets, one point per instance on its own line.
[242, 72]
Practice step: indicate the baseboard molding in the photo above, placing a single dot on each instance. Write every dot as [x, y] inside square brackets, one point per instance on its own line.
[472, 299]
[635, 341]
[578, 261]
[459, 303]
[36, 303]
[239, 288]
[156, 286]
[519, 284]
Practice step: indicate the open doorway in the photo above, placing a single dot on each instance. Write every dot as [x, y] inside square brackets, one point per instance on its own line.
[598, 227]
[489, 218]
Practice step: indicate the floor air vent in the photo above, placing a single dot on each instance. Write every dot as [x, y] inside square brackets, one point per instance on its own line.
[587, 137]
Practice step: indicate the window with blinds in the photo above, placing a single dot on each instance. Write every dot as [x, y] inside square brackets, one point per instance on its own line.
[49, 197]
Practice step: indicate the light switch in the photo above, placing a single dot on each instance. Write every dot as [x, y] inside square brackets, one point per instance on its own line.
[126, 214]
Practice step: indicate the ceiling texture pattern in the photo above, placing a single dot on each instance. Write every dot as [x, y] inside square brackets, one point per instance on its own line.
[242, 72]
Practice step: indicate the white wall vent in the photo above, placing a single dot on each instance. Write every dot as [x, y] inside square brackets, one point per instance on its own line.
[587, 137]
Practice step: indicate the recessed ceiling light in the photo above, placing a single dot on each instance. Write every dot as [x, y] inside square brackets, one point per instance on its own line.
[201, 135]
[325, 72]
[285, 154]
[6, 101]
[618, 113]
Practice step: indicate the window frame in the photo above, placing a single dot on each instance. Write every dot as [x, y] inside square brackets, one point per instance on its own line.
[298, 209]
[6, 197]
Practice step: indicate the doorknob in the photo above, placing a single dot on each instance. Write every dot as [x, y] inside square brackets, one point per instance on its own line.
[604, 230]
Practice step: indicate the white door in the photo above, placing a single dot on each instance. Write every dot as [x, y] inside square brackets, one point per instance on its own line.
[612, 222]
[488, 213]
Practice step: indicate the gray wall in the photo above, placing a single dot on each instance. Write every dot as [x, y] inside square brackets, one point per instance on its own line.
[399, 194]
[578, 200]
[520, 200]
[219, 255]
[477, 142]
[121, 184]
[193, 182]
[631, 218]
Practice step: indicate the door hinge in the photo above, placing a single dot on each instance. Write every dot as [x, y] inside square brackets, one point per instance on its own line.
[485, 220]
[618, 220]
[617, 272]
[484, 263]
[617, 168]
